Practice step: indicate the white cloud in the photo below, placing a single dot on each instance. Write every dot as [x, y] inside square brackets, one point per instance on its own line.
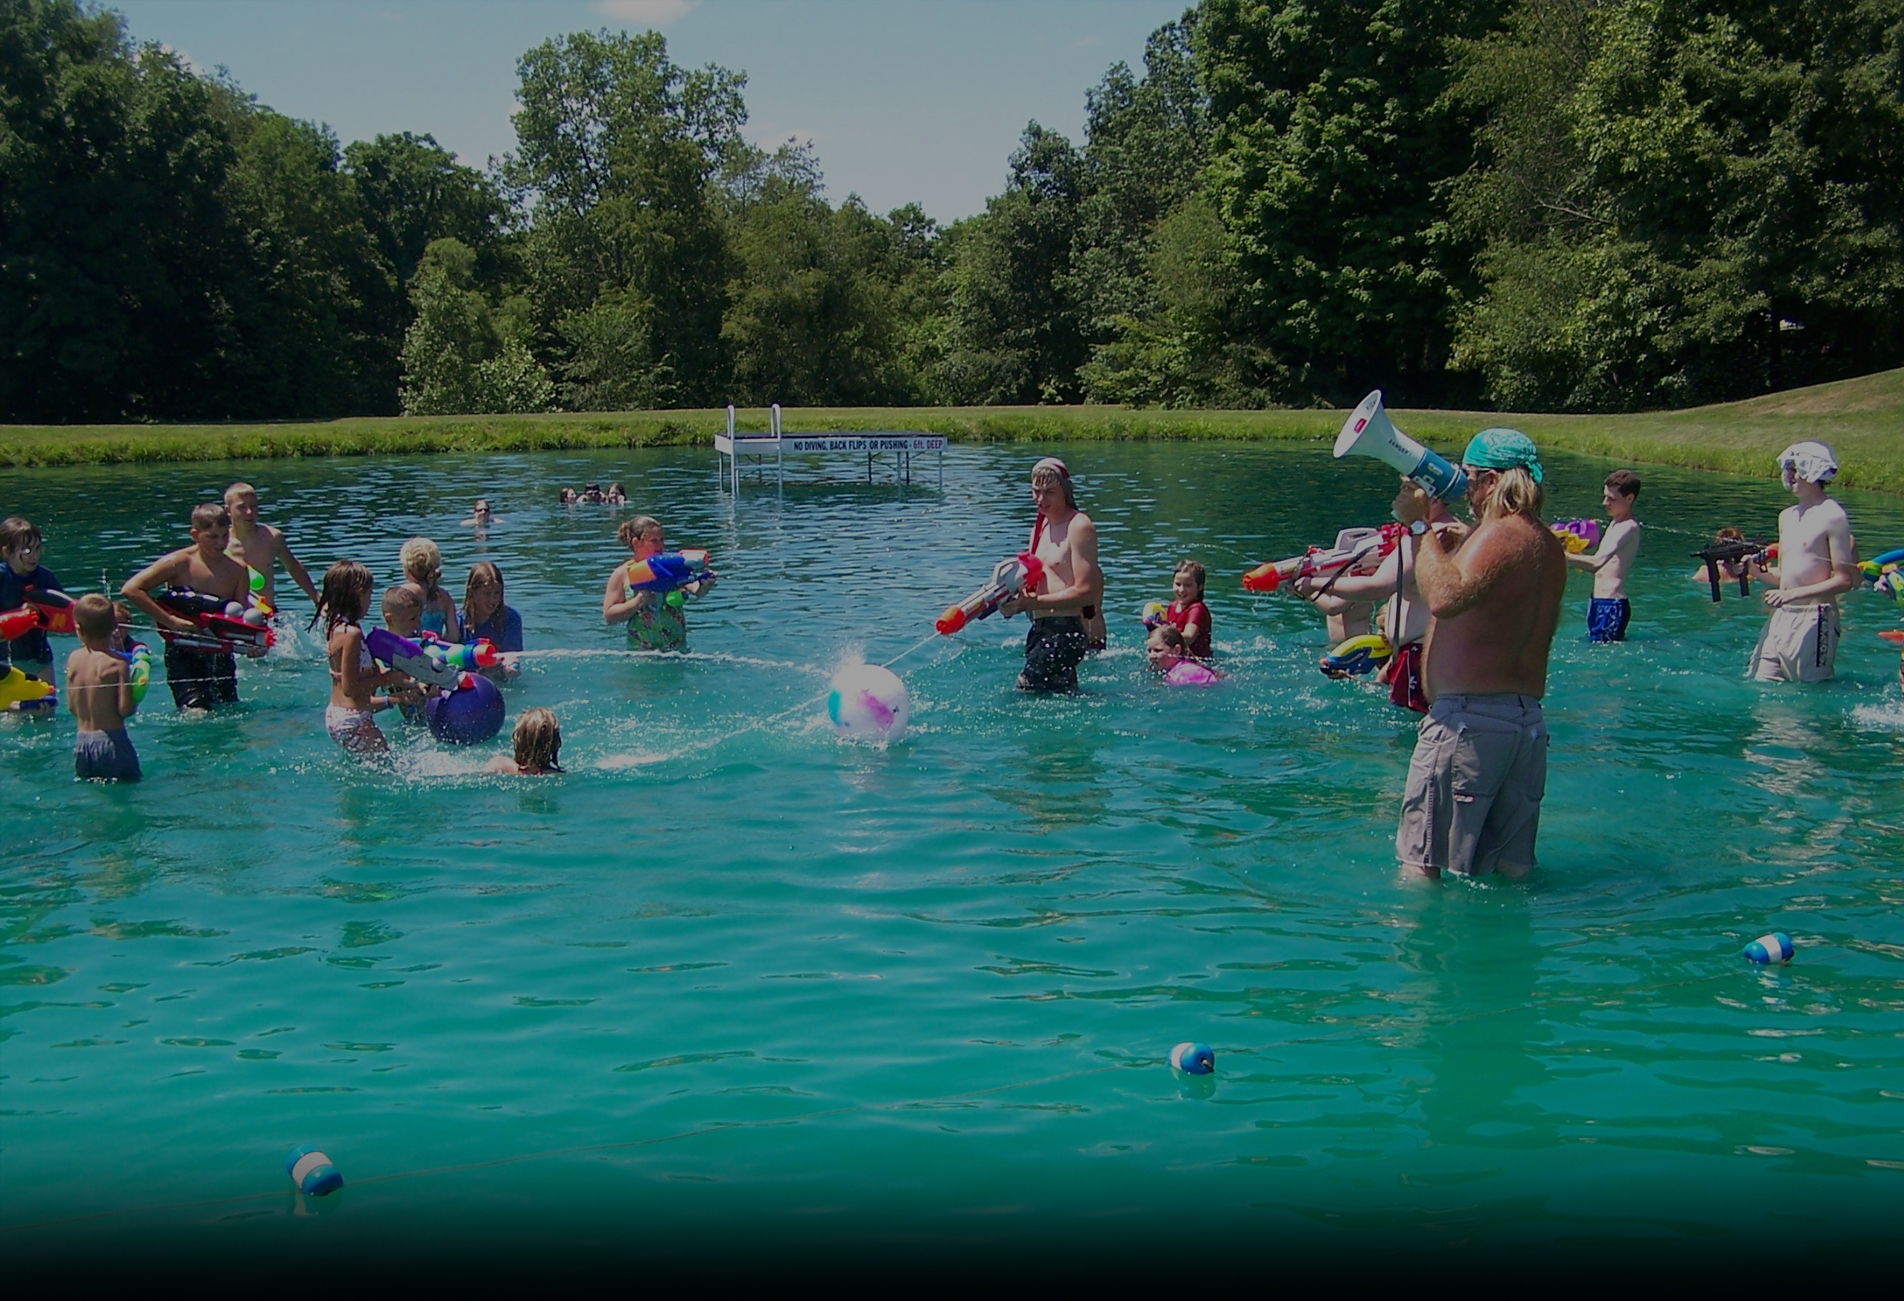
[656, 13]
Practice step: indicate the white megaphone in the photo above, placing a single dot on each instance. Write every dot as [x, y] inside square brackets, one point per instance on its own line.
[1369, 432]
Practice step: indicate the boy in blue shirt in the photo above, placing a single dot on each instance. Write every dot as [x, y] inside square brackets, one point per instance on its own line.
[22, 575]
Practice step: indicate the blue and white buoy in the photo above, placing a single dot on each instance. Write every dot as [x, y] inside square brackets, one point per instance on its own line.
[312, 1171]
[1193, 1059]
[1776, 947]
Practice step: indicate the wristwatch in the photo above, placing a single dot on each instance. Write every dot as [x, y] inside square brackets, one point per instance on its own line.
[1418, 528]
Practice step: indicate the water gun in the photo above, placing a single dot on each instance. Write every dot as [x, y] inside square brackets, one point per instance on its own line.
[1009, 578]
[223, 625]
[1873, 569]
[23, 691]
[668, 572]
[1741, 554]
[1156, 614]
[45, 608]
[139, 668]
[1578, 535]
[436, 663]
[1351, 546]
[1358, 655]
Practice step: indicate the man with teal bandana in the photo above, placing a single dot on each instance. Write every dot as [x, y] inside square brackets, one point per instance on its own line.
[1480, 765]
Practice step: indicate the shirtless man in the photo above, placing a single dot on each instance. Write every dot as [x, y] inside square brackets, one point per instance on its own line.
[1404, 616]
[261, 545]
[1610, 563]
[1480, 766]
[99, 695]
[1816, 561]
[199, 678]
[1071, 589]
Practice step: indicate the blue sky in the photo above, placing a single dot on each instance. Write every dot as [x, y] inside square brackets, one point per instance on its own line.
[904, 100]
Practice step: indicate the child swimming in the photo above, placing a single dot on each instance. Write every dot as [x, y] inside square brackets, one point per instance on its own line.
[656, 620]
[342, 604]
[422, 571]
[538, 746]
[1168, 655]
[99, 696]
[1187, 612]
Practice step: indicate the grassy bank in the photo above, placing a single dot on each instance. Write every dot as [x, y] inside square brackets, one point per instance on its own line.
[1862, 418]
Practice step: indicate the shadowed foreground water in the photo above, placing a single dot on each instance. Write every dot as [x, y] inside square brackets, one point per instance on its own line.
[731, 990]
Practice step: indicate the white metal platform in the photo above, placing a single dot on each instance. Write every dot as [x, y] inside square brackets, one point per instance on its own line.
[776, 443]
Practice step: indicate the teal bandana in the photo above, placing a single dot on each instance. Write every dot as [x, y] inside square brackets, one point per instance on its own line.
[1503, 449]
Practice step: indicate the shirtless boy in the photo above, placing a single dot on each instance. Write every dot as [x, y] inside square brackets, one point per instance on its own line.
[261, 545]
[1480, 766]
[1071, 589]
[99, 695]
[1610, 563]
[1404, 617]
[1816, 561]
[199, 678]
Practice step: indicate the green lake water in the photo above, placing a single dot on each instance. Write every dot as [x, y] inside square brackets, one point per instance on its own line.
[732, 986]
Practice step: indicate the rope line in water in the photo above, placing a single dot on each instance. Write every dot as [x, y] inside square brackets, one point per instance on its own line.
[702, 1130]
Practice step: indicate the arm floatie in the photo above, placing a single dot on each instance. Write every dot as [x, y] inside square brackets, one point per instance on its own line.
[1358, 655]
[1009, 578]
[1351, 545]
[1578, 535]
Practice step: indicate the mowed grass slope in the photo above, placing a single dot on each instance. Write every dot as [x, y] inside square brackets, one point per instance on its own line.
[1862, 418]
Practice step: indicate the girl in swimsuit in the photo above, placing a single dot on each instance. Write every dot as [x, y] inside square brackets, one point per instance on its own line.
[354, 675]
[656, 621]
[422, 570]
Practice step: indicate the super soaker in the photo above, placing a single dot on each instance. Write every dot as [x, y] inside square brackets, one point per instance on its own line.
[45, 609]
[1577, 535]
[1009, 578]
[1351, 546]
[439, 664]
[668, 572]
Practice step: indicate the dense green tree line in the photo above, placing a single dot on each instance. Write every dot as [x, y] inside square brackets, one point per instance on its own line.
[1549, 204]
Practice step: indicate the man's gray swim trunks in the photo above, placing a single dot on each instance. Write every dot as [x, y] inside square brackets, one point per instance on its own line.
[1475, 785]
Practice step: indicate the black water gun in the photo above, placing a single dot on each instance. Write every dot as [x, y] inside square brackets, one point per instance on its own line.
[1738, 557]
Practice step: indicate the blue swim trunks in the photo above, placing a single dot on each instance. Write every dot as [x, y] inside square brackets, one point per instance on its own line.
[1606, 618]
[105, 756]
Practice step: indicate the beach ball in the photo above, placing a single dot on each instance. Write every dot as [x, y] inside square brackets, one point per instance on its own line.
[868, 703]
[469, 715]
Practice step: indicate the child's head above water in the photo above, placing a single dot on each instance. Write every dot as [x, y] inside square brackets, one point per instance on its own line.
[640, 529]
[422, 562]
[403, 610]
[1187, 583]
[538, 741]
[345, 595]
[1164, 647]
[92, 615]
[211, 525]
[20, 543]
[482, 594]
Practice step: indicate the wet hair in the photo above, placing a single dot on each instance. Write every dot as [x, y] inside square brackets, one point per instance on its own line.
[1729, 534]
[399, 598]
[481, 501]
[538, 740]
[93, 615]
[634, 527]
[1195, 571]
[1624, 482]
[344, 596]
[484, 569]
[16, 532]
[1052, 470]
[1170, 635]
[418, 557]
[210, 515]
